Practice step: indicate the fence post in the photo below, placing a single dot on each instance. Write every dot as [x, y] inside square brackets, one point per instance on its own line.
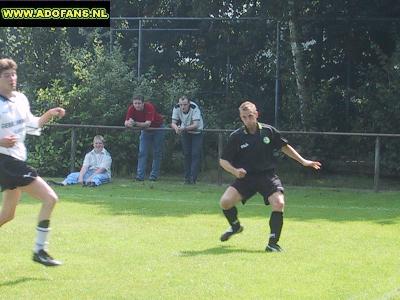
[219, 180]
[73, 150]
[139, 55]
[377, 166]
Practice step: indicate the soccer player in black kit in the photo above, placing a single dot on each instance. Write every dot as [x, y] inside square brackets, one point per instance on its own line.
[248, 156]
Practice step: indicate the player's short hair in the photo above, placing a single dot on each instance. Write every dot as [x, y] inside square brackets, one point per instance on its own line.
[248, 106]
[7, 64]
[98, 138]
[138, 97]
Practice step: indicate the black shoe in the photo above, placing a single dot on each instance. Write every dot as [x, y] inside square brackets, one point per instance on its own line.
[273, 248]
[153, 179]
[52, 182]
[91, 184]
[227, 234]
[42, 257]
[139, 179]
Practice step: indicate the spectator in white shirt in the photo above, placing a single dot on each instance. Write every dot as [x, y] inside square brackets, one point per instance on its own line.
[96, 168]
[188, 123]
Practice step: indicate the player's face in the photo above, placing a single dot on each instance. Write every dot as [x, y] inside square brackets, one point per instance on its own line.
[138, 105]
[249, 118]
[98, 146]
[184, 105]
[8, 80]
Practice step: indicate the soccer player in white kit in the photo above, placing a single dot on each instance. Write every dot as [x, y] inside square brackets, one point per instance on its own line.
[16, 120]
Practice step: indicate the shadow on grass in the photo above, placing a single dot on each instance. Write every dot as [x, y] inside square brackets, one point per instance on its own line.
[20, 280]
[217, 251]
[166, 198]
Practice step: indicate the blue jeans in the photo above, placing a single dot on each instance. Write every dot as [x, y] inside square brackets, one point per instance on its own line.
[150, 139]
[97, 179]
[192, 146]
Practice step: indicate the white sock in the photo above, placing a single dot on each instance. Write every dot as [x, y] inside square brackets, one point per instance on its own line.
[41, 238]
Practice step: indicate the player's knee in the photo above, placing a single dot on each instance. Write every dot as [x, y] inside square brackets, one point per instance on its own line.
[225, 203]
[54, 199]
[51, 199]
[278, 205]
[277, 202]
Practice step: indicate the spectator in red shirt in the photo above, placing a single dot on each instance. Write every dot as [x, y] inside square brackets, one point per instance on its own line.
[144, 115]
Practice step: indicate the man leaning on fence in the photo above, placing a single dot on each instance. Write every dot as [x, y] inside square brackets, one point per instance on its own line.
[188, 123]
[144, 115]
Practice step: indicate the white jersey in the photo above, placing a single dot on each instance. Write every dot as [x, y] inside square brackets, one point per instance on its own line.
[186, 119]
[16, 119]
[95, 161]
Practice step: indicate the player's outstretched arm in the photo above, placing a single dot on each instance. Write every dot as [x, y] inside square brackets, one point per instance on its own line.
[289, 151]
[54, 112]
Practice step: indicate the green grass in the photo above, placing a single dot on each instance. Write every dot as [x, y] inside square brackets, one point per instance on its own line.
[295, 176]
[141, 241]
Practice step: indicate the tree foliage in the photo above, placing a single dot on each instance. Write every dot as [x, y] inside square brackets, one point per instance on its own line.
[349, 72]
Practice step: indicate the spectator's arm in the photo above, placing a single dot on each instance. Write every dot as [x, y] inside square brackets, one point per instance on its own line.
[192, 126]
[145, 124]
[175, 127]
[129, 123]
[82, 172]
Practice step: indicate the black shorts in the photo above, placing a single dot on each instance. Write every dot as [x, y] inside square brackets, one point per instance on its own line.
[265, 184]
[15, 173]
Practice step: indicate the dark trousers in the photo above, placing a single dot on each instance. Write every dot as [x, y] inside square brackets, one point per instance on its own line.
[192, 146]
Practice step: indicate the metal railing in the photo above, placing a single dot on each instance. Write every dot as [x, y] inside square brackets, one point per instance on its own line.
[221, 132]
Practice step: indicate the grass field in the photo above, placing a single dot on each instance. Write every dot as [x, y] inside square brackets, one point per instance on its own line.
[131, 240]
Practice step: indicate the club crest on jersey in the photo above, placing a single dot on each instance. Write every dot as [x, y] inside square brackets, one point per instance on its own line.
[266, 140]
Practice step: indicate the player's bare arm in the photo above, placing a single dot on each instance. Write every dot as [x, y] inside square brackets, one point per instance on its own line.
[292, 153]
[227, 166]
[8, 141]
[54, 112]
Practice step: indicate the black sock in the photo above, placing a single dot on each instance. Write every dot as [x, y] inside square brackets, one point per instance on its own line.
[231, 216]
[44, 224]
[275, 224]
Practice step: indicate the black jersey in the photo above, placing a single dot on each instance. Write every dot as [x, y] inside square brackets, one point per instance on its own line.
[254, 152]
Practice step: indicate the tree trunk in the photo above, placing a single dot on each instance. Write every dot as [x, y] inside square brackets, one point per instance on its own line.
[299, 68]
